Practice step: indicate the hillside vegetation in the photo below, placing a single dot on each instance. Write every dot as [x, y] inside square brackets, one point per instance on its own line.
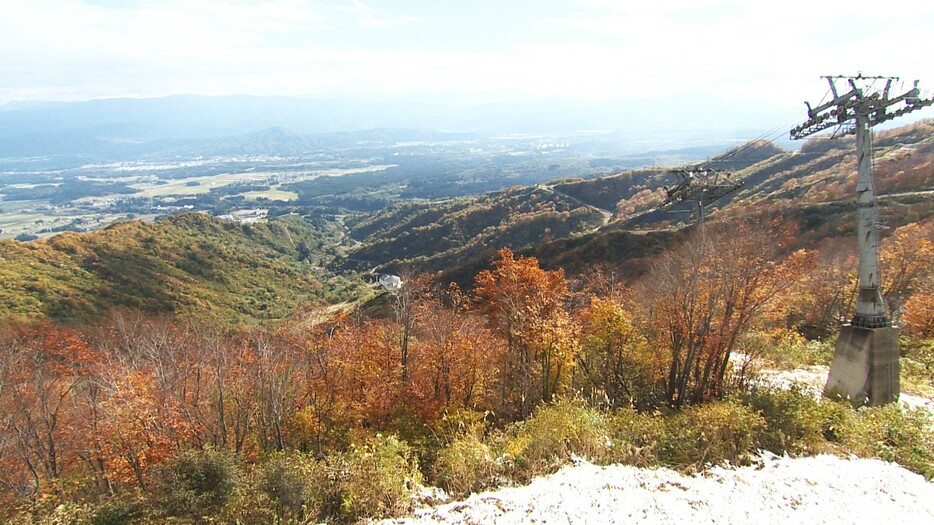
[438, 235]
[615, 220]
[185, 264]
[262, 271]
[823, 170]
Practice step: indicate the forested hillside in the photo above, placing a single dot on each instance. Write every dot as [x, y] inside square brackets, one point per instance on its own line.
[190, 264]
[822, 171]
[439, 235]
[195, 264]
[626, 191]
[574, 223]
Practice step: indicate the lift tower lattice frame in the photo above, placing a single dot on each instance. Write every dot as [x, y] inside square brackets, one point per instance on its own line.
[702, 185]
[865, 365]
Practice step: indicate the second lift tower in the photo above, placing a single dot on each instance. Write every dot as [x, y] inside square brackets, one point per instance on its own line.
[865, 363]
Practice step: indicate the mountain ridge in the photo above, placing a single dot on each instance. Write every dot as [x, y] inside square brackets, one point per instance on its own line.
[42, 126]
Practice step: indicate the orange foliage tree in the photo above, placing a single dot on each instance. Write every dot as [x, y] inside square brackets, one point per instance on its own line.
[919, 314]
[906, 264]
[456, 349]
[524, 304]
[705, 294]
[44, 365]
[825, 297]
[146, 375]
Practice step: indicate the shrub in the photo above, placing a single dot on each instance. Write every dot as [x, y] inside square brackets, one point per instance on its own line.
[59, 514]
[249, 506]
[295, 484]
[904, 437]
[465, 465]
[635, 437]
[836, 421]
[455, 423]
[197, 483]
[548, 439]
[724, 431]
[917, 366]
[114, 513]
[793, 420]
[411, 428]
[286, 488]
[376, 480]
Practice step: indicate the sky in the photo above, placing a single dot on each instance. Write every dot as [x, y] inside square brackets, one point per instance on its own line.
[456, 51]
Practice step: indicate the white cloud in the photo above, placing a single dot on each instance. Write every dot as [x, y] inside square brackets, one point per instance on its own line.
[70, 49]
[370, 17]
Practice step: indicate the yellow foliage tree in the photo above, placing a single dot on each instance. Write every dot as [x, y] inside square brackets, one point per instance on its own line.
[615, 366]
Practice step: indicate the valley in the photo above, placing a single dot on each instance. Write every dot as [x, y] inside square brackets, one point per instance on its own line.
[363, 176]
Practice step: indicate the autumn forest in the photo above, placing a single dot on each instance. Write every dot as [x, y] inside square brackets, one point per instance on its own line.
[194, 371]
[100, 411]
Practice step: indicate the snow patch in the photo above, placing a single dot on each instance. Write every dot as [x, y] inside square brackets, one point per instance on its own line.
[815, 490]
[811, 378]
[910, 401]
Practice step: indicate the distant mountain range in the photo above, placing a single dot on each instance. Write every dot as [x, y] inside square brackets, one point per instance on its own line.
[124, 128]
[251, 273]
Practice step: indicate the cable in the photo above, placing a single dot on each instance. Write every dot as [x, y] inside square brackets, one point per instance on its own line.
[769, 137]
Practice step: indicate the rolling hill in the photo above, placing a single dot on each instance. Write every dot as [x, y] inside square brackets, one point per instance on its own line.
[188, 264]
[441, 234]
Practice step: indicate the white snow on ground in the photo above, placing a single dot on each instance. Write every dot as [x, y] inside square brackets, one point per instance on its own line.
[814, 377]
[820, 489]
[813, 490]
[910, 401]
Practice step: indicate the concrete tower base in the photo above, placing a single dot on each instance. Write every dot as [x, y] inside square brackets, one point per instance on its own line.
[865, 366]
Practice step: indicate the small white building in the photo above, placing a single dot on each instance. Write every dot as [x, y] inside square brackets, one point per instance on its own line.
[245, 216]
[390, 282]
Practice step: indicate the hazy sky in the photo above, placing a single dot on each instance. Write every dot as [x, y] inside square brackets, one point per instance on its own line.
[456, 50]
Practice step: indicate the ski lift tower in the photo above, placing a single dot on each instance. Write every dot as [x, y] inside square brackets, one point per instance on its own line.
[865, 364]
[701, 185]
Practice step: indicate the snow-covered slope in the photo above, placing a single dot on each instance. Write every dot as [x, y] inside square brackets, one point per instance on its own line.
[820, 489]
[813, 490]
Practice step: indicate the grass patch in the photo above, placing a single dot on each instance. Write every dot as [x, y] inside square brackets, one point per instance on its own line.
[710, 434]
[375, 480]
[917, 367]
[551, 437]
[272, 194]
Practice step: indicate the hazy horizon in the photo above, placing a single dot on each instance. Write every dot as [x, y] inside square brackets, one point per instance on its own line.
[453, 52]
